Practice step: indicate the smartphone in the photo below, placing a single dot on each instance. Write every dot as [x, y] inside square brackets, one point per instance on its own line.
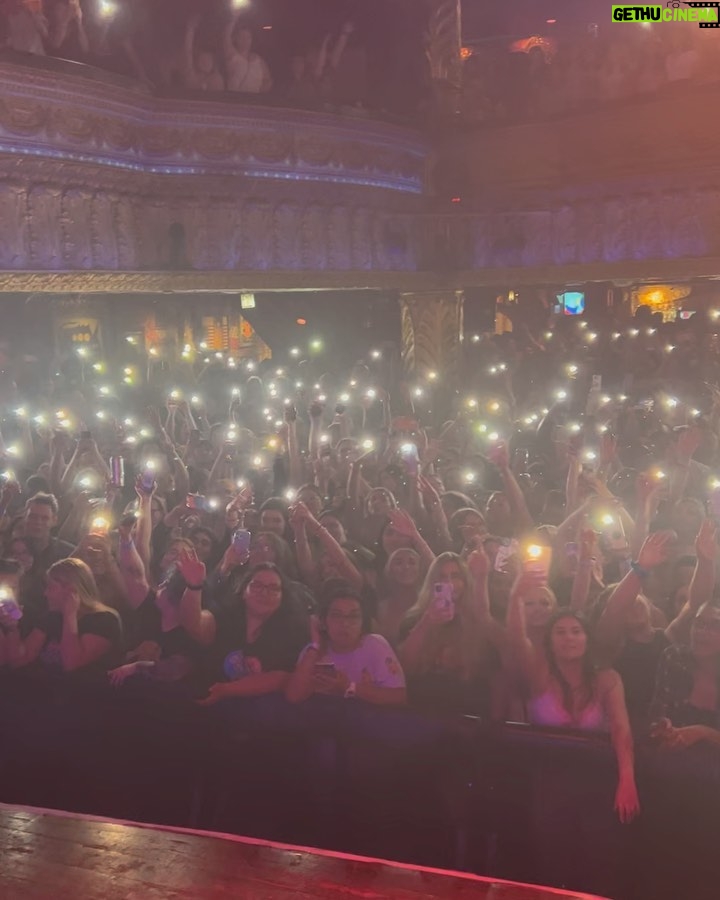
[147, 482]
[443, 597]
[241, 541]
[537, 559]
[197, 501]
[117, 471]
[325, 669]
[409, 456]
[505, 553]
[613, 532]
[10, 608]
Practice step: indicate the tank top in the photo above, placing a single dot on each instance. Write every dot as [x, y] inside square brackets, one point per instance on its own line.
[547, 710]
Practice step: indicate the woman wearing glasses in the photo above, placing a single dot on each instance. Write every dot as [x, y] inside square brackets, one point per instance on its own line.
[344, 660]
[254, 639]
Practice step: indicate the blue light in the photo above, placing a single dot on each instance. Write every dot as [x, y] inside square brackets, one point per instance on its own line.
[410, 185]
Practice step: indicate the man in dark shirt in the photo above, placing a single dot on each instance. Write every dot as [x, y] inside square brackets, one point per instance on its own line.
[41, 517]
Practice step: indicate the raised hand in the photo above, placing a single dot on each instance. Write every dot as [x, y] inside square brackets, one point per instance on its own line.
[656, 549]
[190, 567]
[403, 522]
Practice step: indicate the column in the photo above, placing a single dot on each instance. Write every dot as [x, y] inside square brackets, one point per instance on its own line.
[432, 324]
[444, 37]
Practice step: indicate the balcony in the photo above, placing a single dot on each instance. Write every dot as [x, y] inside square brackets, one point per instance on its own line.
[99, 175]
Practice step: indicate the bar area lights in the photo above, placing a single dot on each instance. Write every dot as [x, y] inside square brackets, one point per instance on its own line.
[247, 301]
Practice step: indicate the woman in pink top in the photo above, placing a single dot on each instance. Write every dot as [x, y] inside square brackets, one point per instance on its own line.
[567, 691]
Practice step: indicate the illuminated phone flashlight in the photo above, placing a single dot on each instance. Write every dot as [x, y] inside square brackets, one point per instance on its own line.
[575, 427]
[659, 475]
[714, 484]
[104, 390]
[494, 437]
[344, 398]
[240, 484]
[131, 439]
[561, 395]
[548, 335]
[21, 412]
[219, 355]
[131, 340]
[145, 433]
[100, 525]
[290, 495]
[153, 351]
[605, 400]
[482, 428]
[231, 363]
[235, 392]
[376, 354]
[280, 373]
[592, 336]
[534, 551]
[100, 414]
[572, 369]
[213, 503]
[298, 386]
[493, 370]
[695, 413]
[470, 477]
[86, 482]
[528, 420]
[195, 400]
[257, 461]
[203, 345]
[353, 383]
[471, 403]
[476, 339]
[294, 351]
[371, 394]
[494, 406]
[368, 445]
[650, 331]
[82, 352]
[7, 475]
[272, 443]
[432, 376]
[633, 332]
[607, 520]
[322, 398]
[278, 423]
[99, 367]
[316, 345]
[250, 366]
[671, 402]
[615, 336]
[175, 395]
[602, 429]
[590, 456]
[13, 450]
[107, 9]
[324, 438]
[418, 392]
[232, 436]
[622, 398]
[582, 324]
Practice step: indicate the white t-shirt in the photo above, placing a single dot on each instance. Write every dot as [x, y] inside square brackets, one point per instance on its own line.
[372, 662]
[246, 74]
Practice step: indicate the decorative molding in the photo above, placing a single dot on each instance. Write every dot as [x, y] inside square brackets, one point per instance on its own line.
[73, 118]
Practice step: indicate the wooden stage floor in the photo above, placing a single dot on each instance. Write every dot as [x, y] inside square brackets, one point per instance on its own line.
[46, 854]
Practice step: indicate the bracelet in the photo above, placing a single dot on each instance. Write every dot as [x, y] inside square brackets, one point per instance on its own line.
[638, 570]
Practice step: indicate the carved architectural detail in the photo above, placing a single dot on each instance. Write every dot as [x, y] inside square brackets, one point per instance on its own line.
[431, 328]
[444, 38]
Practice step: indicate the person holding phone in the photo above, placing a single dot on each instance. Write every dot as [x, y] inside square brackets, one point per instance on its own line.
[344, 659]
[444, 644]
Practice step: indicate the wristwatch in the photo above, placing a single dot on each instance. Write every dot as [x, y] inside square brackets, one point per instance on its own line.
[351, 691]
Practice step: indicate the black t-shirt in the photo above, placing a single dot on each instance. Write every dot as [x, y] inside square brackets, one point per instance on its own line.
[146, 625]
[276, 649]
[103, 624]
[637, 666]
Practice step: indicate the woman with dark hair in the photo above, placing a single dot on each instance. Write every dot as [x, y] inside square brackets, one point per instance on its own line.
[565, 688]
[344, 658]
[255, 637]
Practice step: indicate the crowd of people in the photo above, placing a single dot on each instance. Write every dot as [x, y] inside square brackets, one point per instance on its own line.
[539, 548]
[532, 79]
[308, 58]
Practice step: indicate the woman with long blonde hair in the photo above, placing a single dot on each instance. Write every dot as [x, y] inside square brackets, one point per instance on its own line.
[445, 640]
[78, 631]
